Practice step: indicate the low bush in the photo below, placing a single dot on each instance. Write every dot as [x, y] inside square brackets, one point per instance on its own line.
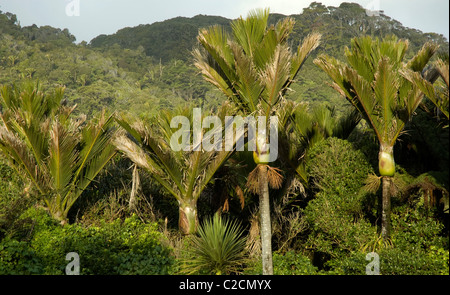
[120, 247]
[394, 261]
[289, 263]
[17, 258]
[336, 213]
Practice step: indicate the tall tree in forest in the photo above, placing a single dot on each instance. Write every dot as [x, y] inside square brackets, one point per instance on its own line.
[254, 67]
[373, 82]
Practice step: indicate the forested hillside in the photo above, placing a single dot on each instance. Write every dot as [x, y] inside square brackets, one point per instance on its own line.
[149, 67]
[87, 165]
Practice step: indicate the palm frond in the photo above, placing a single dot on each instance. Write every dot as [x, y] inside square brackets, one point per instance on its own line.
[96, 151]
[275, 76]
[309, 44]
[421, 59]
[385, 87]
[218, 248]
[62, 157]
[21, 158]
[442, 68]
[250, 31]
[248, 87]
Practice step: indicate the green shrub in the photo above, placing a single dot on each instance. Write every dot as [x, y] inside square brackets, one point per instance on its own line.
[393, 261]
[352, 264]
[119, 247]
[289, 263]
[399, 262]
[417, 246]
[17, 258]
[336, 214]
[335, 166]
[13, 202]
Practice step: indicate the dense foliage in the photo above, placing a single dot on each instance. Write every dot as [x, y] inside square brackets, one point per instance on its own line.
[325, 210]
[120, 247]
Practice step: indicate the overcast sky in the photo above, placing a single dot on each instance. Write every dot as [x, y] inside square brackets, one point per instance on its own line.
[87, 19]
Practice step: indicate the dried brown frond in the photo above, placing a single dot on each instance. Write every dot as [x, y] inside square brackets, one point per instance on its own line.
[372, 184]
[252, 181]
[253, 244]
[274, 177]
[136, 183]
[241, 196]
[397, 185]
[226, 205]
[131, 150]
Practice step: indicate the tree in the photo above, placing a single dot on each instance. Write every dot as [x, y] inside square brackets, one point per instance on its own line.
[59, 155]
[183, 173]
[254, 68]
[374, 84]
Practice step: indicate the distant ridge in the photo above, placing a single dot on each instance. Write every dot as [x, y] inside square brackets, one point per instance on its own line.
[170, 39]
[174, 38]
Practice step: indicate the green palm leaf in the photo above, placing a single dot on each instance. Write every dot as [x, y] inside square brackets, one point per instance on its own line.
[62, 157]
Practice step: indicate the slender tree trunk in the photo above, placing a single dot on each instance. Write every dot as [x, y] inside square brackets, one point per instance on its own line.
[188, 219]
[386, 208]
[386, 167]
[266, 230]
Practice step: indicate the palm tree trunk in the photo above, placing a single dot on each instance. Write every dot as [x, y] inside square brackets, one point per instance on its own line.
[188, 219]
[266, 230]
[386, 166]
[386, 208]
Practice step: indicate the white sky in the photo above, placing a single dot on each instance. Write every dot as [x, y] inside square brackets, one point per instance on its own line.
[87, 19]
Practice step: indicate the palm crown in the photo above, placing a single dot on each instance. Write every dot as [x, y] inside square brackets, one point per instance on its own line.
[373, 83]
[255, 67]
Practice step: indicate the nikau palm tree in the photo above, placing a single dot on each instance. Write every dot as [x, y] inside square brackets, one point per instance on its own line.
[184, 174]
[254, 68]
[59, 155]
[374, 83]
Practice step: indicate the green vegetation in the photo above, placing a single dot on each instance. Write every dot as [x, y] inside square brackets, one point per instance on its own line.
[86, 163]
[120, 247]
